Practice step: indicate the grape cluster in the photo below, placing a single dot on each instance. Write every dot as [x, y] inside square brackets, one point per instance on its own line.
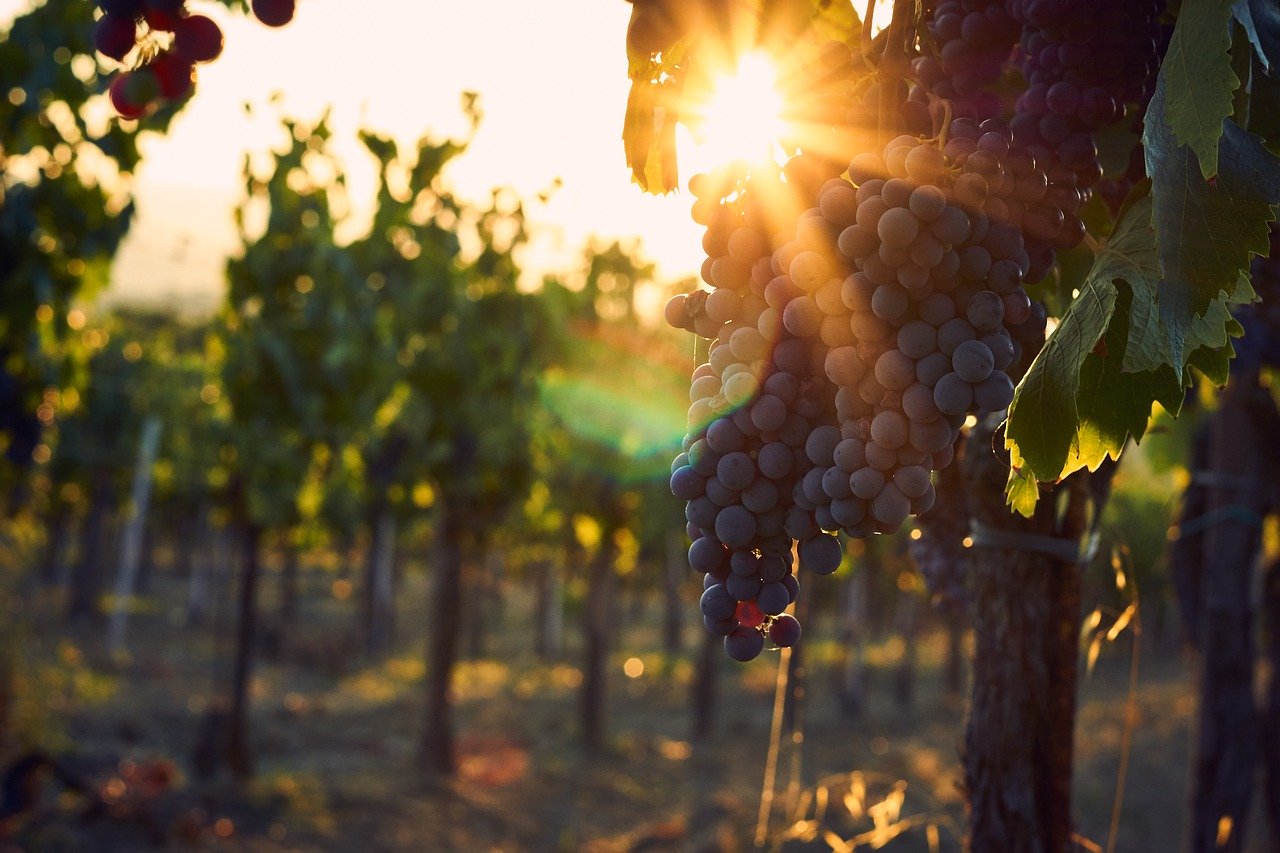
[845, 361]
[755, 405]
[1084, 63]
[168, 44]
[848, 352]
[973, 39]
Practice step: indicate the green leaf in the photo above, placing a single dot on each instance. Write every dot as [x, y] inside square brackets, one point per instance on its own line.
[1261, 21]
[1114, 404]
[1197, 74]
[1063, 415]
[1043, 418]
[1022, 492]
[1206, 233]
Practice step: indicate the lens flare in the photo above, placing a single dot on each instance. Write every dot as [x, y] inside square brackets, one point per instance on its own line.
[742, 120]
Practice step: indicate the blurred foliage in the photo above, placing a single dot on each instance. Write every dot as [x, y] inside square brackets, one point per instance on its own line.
[389, 372]
[66, 167]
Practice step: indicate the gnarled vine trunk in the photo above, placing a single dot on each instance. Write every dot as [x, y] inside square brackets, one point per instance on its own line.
[1212, 564]
[597, 625]
[1019, 735]
[437, 751]
[1270, 740]
[379, 587]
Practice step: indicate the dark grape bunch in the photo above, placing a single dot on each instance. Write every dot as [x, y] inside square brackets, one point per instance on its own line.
[755, 404]
[1087, 65]
[973, 40]
[852, 338]
[168, 44]
[899, 300]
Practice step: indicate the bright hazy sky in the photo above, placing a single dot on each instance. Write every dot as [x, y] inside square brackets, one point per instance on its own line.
[553, 86]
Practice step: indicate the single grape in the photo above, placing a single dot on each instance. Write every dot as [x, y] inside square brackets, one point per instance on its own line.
[952, 395]
[821, 445]
[880, 456]
[821, 554]
[932, 367]
[760, 497]
[717, 603]
[985, 311]
[917, 339]
[995, 393]
[736, 470]
[867, 482]
[973, 361]
[773, 598]
[687, 483]
[742, 588]
[785, 631]
[273, 13]
[912, 480]
[773, 569]
[115, 35]
[735, 526]
[895, 370]
[897, 227]
[953, 333]
[749, 614]
[891, 507]
[719, 627]
[889, 429]
[744, 644]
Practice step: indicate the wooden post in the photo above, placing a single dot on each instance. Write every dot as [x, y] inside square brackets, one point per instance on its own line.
[131, 542]
[239, 753]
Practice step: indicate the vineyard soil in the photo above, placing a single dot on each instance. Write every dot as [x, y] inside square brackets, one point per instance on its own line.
[336, 739]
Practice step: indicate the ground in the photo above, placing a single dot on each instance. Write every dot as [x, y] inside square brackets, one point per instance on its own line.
[335, 740]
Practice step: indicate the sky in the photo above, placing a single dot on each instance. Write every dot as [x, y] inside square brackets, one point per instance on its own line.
[552, 83]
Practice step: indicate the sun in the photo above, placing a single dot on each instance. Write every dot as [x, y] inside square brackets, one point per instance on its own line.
[742, 118]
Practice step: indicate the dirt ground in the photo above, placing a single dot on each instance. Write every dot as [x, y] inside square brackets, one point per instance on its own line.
[335, 740]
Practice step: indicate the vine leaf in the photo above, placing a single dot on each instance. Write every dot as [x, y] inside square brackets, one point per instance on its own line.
[1110, 359]
[1261, 21]
[648, 130]
[1112, 403]
[1044, 418]
[667, 38]
[1022, 492]
[1206, 232]
[1197, 73]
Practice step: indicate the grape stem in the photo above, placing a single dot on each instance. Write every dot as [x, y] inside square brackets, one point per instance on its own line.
[1092, 243]
[941, 136]
[867, 44]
